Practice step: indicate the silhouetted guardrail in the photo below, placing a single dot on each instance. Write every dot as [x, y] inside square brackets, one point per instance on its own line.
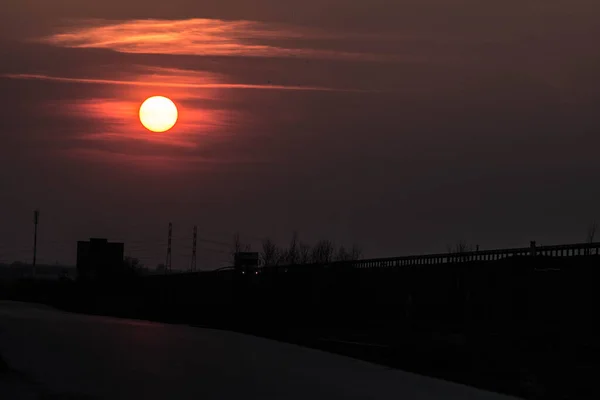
[563, 250]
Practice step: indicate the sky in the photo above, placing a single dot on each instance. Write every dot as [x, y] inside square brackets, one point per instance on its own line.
[402, 126]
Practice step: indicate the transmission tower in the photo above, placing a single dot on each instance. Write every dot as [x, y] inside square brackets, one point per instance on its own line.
[168, 263]
[193, 264]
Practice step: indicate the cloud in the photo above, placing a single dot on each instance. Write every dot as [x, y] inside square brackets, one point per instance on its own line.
[160, 83]
[118, 120]
[104, 118]
[225, 107]
[200, 37]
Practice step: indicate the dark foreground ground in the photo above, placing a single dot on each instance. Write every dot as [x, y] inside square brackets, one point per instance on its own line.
[530, 369]
[515, 327]
[53, 355]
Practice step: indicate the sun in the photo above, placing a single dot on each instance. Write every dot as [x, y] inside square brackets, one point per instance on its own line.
[158, 114]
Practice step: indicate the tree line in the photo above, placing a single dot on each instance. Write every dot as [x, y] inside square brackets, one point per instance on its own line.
[297, 252]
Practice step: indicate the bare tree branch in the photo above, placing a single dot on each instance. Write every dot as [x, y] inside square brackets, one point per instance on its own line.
[355, 252]
[292, 255]
[304, 253]
[322, 252]
[591, 232]
[270, 253]
[459, 248]
[342, 254]
[280, 257]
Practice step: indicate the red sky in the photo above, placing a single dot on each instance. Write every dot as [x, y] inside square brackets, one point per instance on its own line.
[401, 126]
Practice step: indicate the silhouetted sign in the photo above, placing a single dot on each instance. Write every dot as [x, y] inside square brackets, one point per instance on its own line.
[99, 259]
[246, 259]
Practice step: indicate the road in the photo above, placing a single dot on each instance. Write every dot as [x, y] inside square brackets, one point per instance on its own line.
[49, 354]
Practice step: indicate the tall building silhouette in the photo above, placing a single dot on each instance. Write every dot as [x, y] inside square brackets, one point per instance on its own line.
[99, 259]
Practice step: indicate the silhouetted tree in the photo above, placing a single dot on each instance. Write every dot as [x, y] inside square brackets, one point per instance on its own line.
[131, 263]
[459, 248]
[304, 253]
[270, 254]
[133, 267]
[281, 257]
[348, 255]
[355, 252]
[292, 254]
[591, 232]
[342, 254]
[322, 252]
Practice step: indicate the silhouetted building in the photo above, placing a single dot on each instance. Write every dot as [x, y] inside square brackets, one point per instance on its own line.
[246, 261]
[99, 259]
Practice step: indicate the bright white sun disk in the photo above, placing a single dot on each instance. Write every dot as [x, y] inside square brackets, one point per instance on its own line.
[158, 114]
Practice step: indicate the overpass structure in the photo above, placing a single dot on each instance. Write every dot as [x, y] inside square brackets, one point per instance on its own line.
[562, 250]
[556, 251]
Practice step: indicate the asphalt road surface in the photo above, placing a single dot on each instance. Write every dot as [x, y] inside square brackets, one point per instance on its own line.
[49, 354]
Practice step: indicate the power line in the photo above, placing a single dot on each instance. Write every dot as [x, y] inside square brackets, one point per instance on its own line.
[215, 242]
[149, 249]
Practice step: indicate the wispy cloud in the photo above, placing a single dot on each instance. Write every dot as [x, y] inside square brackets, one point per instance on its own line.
[112, 132]
[215, 116]
[160, 83]
[118, 118]
[108, 121]
[199, 37]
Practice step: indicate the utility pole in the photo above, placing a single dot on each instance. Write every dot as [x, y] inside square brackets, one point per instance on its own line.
[36, 218]
[193, 264]
[168, 263]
